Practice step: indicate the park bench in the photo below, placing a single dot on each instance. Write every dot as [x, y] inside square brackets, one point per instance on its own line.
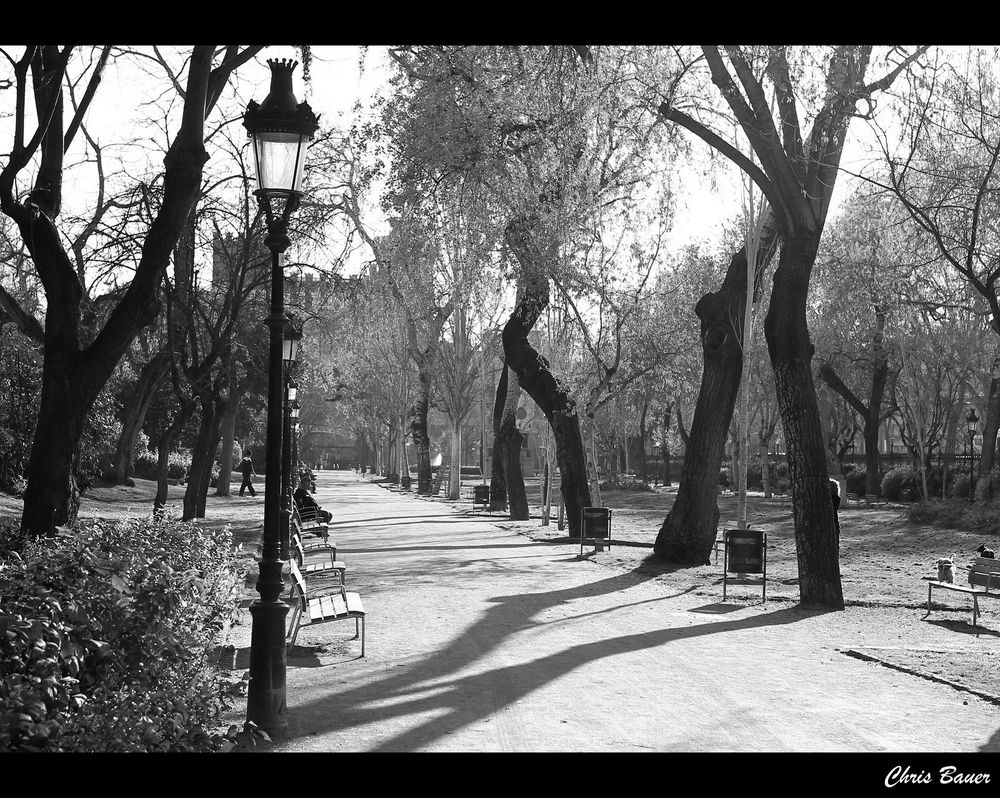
[318, 567]
[337, 606]
[984, 579]
[311, 523]
[326, 544]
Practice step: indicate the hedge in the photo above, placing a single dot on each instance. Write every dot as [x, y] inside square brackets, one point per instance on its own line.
[106, 632]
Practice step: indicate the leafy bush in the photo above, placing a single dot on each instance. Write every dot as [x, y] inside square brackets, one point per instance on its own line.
[857, 480]
[145, 464]
[626, 483]
[901, 484]
[956, 514]
[178, 464]
[725, 477]
[960, 487]
[107, 630]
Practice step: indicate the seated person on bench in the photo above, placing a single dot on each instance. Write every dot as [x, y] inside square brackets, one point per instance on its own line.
[307, 504]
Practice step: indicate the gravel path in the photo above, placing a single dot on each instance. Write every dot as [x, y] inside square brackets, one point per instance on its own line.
[481, 639]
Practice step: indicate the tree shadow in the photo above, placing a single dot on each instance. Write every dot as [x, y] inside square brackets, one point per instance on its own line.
[992, 744]
[963, 627]
[431, 687]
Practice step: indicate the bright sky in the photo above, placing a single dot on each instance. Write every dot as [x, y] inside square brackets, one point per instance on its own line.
[338, 81]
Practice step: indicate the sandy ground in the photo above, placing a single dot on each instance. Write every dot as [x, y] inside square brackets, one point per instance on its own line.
[481, 638]
[489, 635]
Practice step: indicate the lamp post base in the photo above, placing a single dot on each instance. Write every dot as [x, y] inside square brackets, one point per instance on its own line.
[266, 705]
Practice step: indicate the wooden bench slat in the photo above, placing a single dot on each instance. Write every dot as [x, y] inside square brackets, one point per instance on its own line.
[337, 606]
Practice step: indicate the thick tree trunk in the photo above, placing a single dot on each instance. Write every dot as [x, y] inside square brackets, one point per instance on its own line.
[134, 413]
[51, 498]
[816, 535]
[508, 440]
[991, 424]
[498, 478]
[418, 429]
[203, 457]
[534, 373]
[688, 533]
[226, 455]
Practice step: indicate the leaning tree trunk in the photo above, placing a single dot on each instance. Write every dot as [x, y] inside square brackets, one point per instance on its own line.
[816, 535]
[508, 440]
[134, 412]
[498, 479]
[534, 373]
[688, 533]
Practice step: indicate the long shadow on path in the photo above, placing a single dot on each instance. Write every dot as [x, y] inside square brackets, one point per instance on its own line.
[431, 686]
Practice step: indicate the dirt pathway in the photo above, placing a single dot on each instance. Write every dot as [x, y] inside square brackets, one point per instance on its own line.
[479, 639]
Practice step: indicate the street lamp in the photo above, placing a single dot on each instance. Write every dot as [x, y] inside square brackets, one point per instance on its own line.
[286, 453]
[972, 422]
[280, 129]
[289, 355]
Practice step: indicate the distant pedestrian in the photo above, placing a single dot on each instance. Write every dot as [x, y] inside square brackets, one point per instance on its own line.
[246, 468]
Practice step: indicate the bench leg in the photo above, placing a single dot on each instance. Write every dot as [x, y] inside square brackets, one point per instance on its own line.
[362, 637]
[975, 610]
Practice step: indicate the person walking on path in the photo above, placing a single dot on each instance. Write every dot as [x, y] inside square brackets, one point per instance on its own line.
[246, 468]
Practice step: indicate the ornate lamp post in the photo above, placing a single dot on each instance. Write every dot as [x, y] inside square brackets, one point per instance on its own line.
[280, 128]
[294, 414]
[289, 355]
[972, 422]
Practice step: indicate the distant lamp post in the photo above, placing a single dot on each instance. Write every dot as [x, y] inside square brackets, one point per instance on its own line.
[972, 422]
[280, 129]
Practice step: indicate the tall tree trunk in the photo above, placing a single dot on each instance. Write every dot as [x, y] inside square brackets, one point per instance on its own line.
[763, 444]
[534, 373]
[226, 454]
[688, 533]
[52, 498]
[816, 535]
[202, 457]
[991, 424]
[418, 428]
[163, 446]
[508, 439]
[455, 475]
[134, 412]
[498, 478]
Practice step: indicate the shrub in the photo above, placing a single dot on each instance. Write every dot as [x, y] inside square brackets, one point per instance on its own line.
[725, 477]
[145, 464]
[960, 487]
[857, 480]
[956, 514]
[107, 633]
[626, 483]
[901, 484]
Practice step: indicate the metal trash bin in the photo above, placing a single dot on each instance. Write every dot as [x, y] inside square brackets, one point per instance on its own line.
[745, 553]
[596, 527]
[480, 495]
